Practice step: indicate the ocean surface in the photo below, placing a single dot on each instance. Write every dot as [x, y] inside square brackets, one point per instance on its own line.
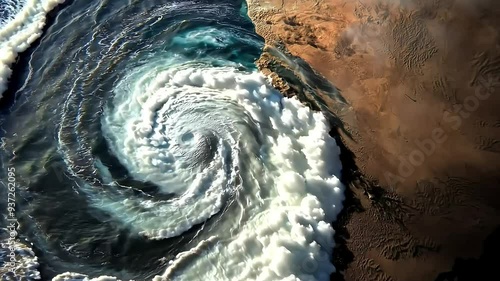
[140, 142]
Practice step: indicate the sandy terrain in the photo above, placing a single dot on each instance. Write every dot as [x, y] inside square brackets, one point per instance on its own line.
[422, 82]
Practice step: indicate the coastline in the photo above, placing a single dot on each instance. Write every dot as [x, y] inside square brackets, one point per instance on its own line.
[428, 173]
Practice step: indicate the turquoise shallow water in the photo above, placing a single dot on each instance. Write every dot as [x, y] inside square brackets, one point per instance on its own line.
[141, 131]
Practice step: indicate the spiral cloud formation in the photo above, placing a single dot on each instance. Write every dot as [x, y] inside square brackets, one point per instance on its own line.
[166, 132]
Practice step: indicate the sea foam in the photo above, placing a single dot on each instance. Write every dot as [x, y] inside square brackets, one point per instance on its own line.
[19, 33]
[18, 260]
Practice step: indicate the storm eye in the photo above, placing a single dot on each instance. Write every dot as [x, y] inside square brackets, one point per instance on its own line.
[187, 137]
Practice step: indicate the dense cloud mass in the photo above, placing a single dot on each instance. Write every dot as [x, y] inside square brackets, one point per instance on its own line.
[213, 121]
[20, 31]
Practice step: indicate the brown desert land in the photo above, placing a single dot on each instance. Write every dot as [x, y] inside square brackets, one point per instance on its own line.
[420, 80]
